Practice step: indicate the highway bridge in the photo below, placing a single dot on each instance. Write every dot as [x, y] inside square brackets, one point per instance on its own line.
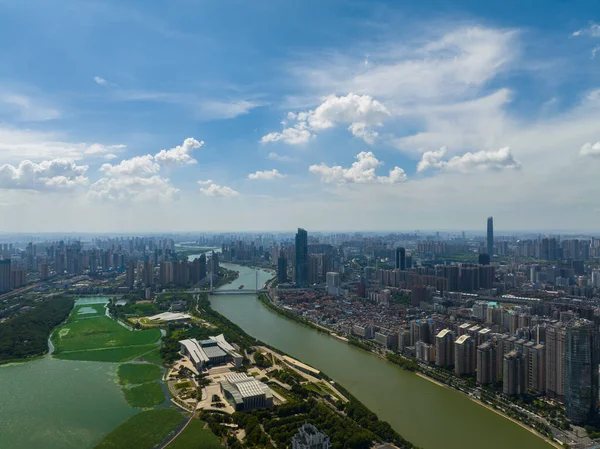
[236, 291]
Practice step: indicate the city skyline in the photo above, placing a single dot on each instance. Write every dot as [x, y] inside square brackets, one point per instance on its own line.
[436, 111]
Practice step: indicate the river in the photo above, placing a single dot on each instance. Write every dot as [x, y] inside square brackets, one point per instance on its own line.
[428, 415]
[59, 404]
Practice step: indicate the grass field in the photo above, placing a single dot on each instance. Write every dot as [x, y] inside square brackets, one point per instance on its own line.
[144, 396]
[107, 355]
[195, 436]
[138, 373]
[144, 430]
[98, 333]
[152, 356]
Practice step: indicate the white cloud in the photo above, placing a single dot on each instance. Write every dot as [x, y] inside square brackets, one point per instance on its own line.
[279, 157]
[133, 188]
[98, 149]
[46, 175]
[136, 166]
[360, 111]
[361, 131]
[361, 172]
[110, 156]
[468, 162]
[217, 190]
[101, 81]
[180, 155]
[217, 109]
[292, 136]
[28, 109]
[205, 183]
[589, 149]
[266, 175]
[593, 30]
[413, 71]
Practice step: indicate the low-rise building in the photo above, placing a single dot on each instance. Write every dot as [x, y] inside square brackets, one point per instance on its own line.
[245, 393]
[210, 352]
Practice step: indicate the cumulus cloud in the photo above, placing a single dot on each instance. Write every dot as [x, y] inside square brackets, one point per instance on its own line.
[361, 172]
[205, 183]
[266, 175]
[127, 188]
[468, 162]
[110, 156]
[101, 81]
[361, 111]
[217, 190]
[46, 175]
[292, 136]
[589, 149]
[139, 177]
[361, 131]
[180, 155]
[136, 166]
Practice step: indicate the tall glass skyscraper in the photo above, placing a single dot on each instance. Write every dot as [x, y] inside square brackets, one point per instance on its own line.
[581, 371]
[490, 236]
[301, 265]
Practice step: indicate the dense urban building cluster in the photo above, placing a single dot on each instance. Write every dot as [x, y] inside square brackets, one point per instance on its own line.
[517, 313]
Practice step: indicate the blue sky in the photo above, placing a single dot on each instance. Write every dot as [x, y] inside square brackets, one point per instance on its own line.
[272, 115]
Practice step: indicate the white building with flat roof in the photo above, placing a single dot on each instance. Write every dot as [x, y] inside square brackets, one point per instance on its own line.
[245, 393]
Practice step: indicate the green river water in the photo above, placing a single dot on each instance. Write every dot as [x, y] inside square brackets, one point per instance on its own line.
[428, 415]
[59, 404]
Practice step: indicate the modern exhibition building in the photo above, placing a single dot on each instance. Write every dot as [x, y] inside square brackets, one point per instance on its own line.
[245, 393]
[211, 352]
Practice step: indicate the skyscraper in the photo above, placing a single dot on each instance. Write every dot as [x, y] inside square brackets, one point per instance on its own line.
[301, 265]
[490, 236]
[400, 259]
[130, 275]
[556, 336]
[282, 268]
[4, 275]
[581, 371]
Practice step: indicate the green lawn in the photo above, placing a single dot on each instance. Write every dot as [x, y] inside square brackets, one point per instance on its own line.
[138, 373]
[144, 396]
[153, 356]
[195, 436]
[107, 355]
[144, 430]
[97, 333]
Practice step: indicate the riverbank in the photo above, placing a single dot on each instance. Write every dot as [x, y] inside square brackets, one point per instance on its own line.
[289, 315]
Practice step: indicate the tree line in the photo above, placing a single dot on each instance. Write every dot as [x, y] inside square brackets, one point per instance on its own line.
[26, 335]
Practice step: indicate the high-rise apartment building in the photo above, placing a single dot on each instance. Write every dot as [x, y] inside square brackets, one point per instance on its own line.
[130, 275]
[487, 363]
[464, 355]
[4, 276]
[514, 379]
[444, 348]
[165, 276]
[490, 236]
[400, 259]
[301, 265]
[582, 356]
[556, 336]
[282, 268]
